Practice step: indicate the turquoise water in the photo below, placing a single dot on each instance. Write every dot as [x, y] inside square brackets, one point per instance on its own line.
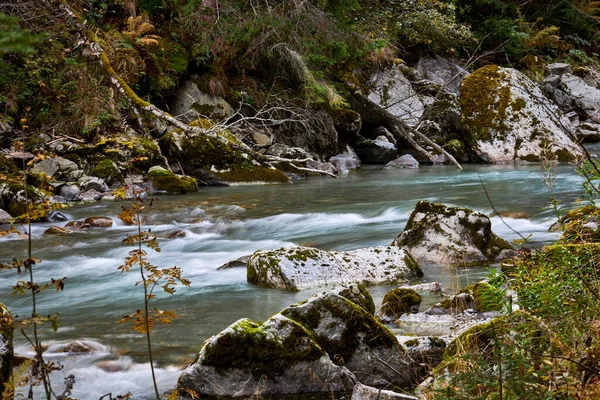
[363, 208]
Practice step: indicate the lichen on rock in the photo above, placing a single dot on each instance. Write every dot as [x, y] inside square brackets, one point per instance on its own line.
[304, 267]
[397, 302]
[507, 119]
[437, 234]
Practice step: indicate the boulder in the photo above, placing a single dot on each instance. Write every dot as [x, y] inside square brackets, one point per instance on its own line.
[390, 90]
[98, 222]
[285, 151]
[301, 268]
[364, 392]
[376, 151]
[406, 161]
[588, 132]
[437, 234]
[4, 217]
[57, 230]
[261, 139]
[347, 123]
[277, 357]
[442, 71]
[170, 182]
[189, 103]
[317, 134]
[353, 338]
[345, 161]
[128, 147]
[322, 166]
[108, 171]
[91, 195]
[579, 90]
[431, 287]
[56, 167]
[91, 182]
[426, 352]
[397, 302]
[6, 346]
[507, 119]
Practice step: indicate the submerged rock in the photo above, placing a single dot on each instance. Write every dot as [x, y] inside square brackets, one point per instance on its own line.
[277, 357]
[237, 263]
[56, 230]
[444, 235]
[508, 119]
[345, 161]
[304, 267]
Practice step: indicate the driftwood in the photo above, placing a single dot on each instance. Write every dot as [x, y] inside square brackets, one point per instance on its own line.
[397, 127]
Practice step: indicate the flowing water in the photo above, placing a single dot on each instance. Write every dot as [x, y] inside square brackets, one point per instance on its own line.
[363, 208]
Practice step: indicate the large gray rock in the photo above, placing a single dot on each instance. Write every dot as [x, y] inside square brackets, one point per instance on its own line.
[278, 357]
[70, 192]
[437, 234]
[508, 119]
[584, 98]
[6, 346]
[406, 161]
[353, 338]
[4, 217]
[92, 183]
[393, 92]
[301, 268]
[442, 71]
[345, 161]
[376, 151]
[55, 167]
[190, 103]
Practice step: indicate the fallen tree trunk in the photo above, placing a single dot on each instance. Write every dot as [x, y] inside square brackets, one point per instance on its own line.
[397, 127]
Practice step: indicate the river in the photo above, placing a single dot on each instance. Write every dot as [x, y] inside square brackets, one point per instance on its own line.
[363, 208]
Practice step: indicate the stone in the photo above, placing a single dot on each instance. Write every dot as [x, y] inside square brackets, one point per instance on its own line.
[241, 262]
[91, 182]
[323, 166]
[397, 302]
[6, 346]
[284, 151]
[390, 90]
[82, 347]
[347, 122]
[70, 192]
[97, 222]
[91, 195]
[108, 171]
[455, 305]
[352, 337]
[4, 217]
[376, 151]
[436, 234]
[56, 230]
[345, 161]
[508, 119]
[383, 139]
[425, 351]
[442, 71]
[176, 234]
[431, 287]
[406, 161]
[189, 103]
[301, 268]
[261, 140]
[316, 134]
[582, 96]
[20, 156]
[56, 216]
[277, 357]
[558, 69]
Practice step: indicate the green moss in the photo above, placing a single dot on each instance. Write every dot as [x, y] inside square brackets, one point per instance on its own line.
[362, 298]
[8, 167]
[253, 346]
[484, 100]
[173, 184]
[253, 174]
[485, 296]
[6, 335]
[108, 171]
[400, 301]
[411, 343]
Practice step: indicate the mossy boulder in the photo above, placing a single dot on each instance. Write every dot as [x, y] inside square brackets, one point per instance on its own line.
[202, 156]
[277, 357]
[353, 338]
[397, 302]
[171, 182]
[108, 171]
[507, 119]
[130, 146]
[6, 346]
[13, 199]
[305, 267]
[581, 225]
[437, 234]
